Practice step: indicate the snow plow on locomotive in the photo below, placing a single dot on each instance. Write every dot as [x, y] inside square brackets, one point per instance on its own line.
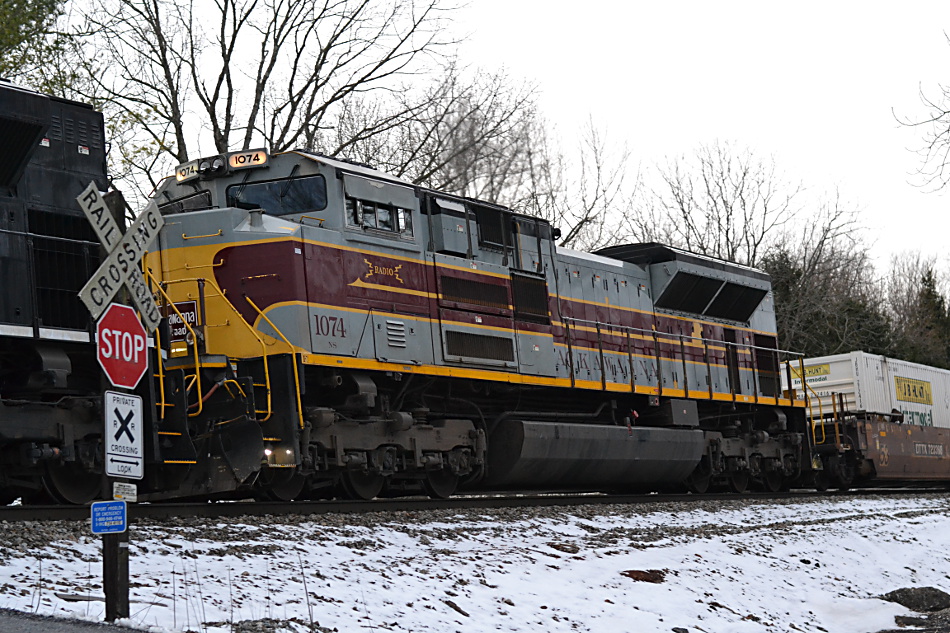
[392, 338]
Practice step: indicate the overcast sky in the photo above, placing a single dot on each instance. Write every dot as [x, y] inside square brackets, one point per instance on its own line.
[813, 84]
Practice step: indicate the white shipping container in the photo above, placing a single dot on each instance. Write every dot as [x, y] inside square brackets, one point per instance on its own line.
[878, 384]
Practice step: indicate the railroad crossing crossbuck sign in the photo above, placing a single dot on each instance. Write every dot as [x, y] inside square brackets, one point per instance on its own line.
[121, 346]
[124, 450]
[125, 251]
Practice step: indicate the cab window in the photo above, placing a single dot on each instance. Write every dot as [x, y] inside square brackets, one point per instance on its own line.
[382, 217]
[281, 197]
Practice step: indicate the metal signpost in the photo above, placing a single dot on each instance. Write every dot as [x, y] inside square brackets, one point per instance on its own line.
[122, 351]
[110, 519]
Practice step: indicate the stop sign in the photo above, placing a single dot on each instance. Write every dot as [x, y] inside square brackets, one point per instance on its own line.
[121, 346]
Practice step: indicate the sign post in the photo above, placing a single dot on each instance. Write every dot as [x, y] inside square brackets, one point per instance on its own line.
[122, 352]
[110, 519]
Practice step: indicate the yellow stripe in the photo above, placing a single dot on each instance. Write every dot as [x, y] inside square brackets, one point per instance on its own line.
[359, 283]
[462, 372]
[424, 261]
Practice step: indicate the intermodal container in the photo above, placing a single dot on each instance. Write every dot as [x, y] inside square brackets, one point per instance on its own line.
[877, 384]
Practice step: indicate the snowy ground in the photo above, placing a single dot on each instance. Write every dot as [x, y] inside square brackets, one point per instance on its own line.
[722, 567]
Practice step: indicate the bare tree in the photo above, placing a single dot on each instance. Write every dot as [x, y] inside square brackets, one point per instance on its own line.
[934, 124]
[480, 134]
[724, 202]
[586, 193]
[828, 298]
[251, 72]
[462, 131]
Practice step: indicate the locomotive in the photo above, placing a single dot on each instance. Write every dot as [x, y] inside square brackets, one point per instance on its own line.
[329, 329]
[49, 381]
[384, 337]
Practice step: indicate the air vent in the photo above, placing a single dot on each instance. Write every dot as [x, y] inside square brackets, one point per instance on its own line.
[396, 333]
[530, 298]
[491, 227]
[61, 266]
[473, 292]
[736, 302]
[689, 293]
[479, 346]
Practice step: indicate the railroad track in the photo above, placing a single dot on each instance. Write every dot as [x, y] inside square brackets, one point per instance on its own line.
[221, 509]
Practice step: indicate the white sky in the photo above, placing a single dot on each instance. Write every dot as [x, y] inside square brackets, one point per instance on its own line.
[811, 83]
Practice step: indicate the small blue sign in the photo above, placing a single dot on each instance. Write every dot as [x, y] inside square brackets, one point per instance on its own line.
[109, 517]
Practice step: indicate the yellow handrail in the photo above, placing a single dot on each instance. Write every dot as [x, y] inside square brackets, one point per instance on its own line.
[194, 337]
[811, 414]
[195, 237]
[296, 374]
[254, 333]
[260, 341]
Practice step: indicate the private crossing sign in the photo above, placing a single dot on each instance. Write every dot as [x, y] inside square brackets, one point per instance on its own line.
[125, 453]
[121, 266]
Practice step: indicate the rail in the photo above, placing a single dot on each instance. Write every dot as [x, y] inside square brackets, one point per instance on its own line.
[676, 348]
[818, 421]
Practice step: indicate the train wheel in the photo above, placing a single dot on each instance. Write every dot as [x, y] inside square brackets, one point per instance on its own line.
[698, 482]
[283, 486]
[441, 484]
[772, 480]
[739, 481]
[821, 480]
[361, 486]
[70, 484]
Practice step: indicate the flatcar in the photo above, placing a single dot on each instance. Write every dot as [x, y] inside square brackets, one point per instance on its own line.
[363, 336]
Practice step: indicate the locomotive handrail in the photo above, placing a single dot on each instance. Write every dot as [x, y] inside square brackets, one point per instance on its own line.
[313, 217]
[194, 337]
[270, 410]
[254, 333]
[195, 237]
[296, 374]
[682, 339]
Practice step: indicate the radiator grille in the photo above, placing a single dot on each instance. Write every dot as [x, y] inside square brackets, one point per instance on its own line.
[474, 292]
[530, 298]
[63, 260]
[479, 346]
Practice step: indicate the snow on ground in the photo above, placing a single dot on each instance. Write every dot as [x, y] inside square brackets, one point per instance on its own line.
[730, 567]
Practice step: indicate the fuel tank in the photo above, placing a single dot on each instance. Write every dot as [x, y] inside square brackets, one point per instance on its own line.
[524, 454]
